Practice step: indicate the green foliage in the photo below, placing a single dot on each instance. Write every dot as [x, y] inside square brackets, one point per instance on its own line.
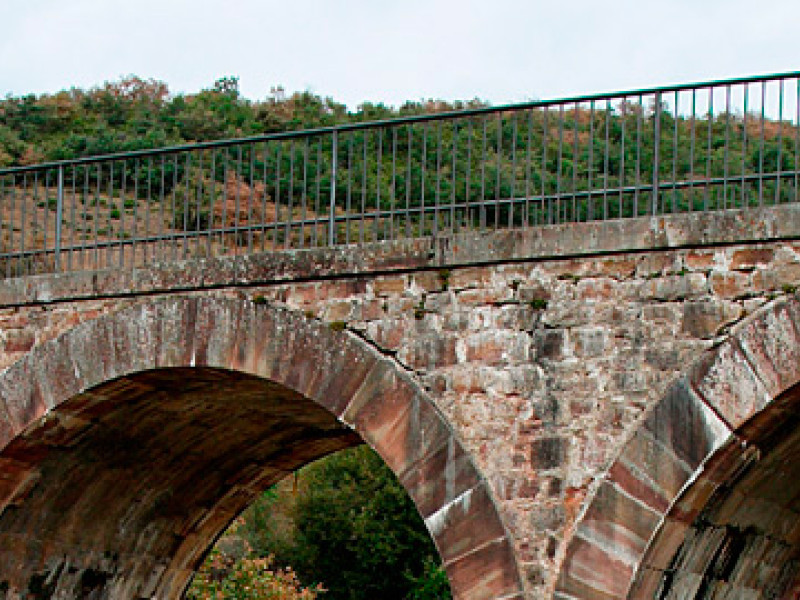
[432, 584]
[135, 114]
[224, 577]
[351, 527]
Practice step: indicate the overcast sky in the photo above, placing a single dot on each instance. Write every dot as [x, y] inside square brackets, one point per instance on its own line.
[356, 50]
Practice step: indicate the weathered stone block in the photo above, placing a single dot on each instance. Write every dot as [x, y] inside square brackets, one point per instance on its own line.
[548, 453]
[19, 340]
[704, 319]
[428, 352]
[440, 477]
[385, 286]
[589, 342]
[674, 287]
[726, 381]
[550, 344]
[750, 258]
[729, 284]
[682, 423]
[488, 572]
[492, 347]
[700, 260]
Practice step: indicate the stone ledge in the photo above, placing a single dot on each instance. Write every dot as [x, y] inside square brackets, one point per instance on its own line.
[453, 250]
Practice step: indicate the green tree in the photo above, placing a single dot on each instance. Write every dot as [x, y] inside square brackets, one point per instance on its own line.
[351, 527]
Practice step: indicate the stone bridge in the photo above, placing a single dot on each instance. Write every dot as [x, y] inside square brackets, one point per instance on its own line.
[595, 410]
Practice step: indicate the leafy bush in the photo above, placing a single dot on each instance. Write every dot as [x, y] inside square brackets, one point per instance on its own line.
[248, 578]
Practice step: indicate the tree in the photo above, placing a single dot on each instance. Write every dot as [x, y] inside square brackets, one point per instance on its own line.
[350, 526]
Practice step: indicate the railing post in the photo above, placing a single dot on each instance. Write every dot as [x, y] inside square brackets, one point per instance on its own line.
[332, 213]
[59, 215]
[656, 154]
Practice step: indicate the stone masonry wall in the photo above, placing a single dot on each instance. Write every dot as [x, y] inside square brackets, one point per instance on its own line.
[543, 365]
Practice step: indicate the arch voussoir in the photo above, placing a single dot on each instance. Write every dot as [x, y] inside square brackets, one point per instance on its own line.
[771, 343]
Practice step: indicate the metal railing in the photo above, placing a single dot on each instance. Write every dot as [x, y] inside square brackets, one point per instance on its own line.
[694, 147]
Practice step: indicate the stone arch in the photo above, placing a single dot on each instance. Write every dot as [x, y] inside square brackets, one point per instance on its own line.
[735, 403]
[52, 400]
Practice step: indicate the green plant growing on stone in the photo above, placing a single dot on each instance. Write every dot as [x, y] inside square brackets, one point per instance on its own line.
[259, 300]
[337, 325]
[419, 310]
[788, 288]
[538, 304]
[444, 278]
[570, 277]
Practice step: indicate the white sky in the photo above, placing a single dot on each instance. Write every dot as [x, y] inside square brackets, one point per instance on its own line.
[356, 50]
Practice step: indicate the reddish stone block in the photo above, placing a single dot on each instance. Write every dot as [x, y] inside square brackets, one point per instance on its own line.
[727, 383]
[19, 340]
[682, 423]
[470, 277]
[430, 281]
[440, 477]
[649, 472]
[771, 343]
[699, 259]
[14, 320]
[489, 573]
[619, 523]
[589, 571]
[262, 347]
[349, 371]
[596, 289]
[171, 336]
[465, 524]
[429, 352]
[749, 258]
[484, 296]
[386, 286]
[617, 267]
[215, 331]
[389, 333]
[21, 397]
[55, 373]
[401, 425]
[730, 284]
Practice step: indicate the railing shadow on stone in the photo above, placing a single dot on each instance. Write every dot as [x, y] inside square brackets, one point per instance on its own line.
[694, 147]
